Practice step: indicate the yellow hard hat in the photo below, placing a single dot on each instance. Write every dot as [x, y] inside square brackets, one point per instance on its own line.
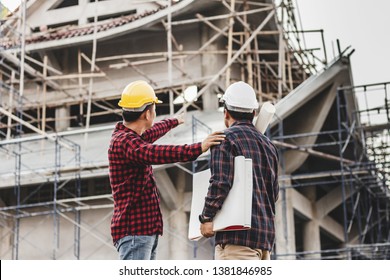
[137, 95]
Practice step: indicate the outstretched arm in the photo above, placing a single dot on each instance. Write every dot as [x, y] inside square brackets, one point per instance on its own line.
[140, 151]
[159, 129]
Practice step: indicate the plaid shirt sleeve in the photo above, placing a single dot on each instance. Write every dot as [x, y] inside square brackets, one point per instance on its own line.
[222, 170]
[159, 129]
[140, 150]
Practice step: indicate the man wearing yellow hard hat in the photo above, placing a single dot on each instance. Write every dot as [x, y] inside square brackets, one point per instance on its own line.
[137, 220]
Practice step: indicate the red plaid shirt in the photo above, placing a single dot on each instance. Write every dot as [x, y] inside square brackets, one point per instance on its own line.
[136, 198]
[242, 138]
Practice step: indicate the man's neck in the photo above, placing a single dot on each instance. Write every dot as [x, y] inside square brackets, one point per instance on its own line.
[136, 126]
[231, 121]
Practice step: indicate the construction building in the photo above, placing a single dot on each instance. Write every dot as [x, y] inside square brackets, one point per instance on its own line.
[63, 65]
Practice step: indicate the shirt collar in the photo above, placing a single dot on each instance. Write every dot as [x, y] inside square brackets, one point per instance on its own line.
[241, 122]
[121, 126]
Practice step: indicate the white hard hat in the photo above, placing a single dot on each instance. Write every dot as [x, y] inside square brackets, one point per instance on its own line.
[240, 97]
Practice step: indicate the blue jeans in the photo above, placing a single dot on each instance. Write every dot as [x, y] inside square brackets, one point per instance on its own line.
[137, 247]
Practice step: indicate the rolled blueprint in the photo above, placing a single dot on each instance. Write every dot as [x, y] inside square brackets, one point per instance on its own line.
[266, 113]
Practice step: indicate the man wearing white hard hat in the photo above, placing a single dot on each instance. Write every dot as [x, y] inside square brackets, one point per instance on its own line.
[243, 139]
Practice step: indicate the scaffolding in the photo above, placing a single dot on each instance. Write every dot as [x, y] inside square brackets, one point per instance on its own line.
[359, 145]
[272, 72]
[270, 54]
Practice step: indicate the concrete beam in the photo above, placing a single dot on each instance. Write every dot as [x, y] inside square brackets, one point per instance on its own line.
[167, 189]
[309, 89]
[331, 200]
[284, 223]
[317, 214]
[311, 118]
[301, 204]
[333, 228]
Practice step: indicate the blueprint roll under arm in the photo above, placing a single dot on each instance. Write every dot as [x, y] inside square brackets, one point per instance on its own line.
[265, 116]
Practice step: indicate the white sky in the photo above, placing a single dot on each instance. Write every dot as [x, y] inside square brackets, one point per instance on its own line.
[10, 4]
[363, 25]
[360, 24]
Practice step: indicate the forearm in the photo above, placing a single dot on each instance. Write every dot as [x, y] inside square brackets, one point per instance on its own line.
[214, 200]
[222, 172]
[150, 154]
[159, 129]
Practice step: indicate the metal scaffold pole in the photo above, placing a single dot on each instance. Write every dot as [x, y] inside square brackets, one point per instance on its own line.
[169, 53]
[56, 221]
[19, 130]
[16, 231]
[340, 140]
[77, 229]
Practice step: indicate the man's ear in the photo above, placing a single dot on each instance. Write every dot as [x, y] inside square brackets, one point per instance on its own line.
[146, 115]
[226, 114]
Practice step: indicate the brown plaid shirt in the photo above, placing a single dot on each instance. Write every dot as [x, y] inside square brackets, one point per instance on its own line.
[242, 138]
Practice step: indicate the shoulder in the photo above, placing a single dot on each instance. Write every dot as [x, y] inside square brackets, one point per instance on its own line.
[271, 146]
[123, 138]
[232, 131]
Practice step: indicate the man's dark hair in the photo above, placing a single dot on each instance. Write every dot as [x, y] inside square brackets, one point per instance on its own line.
[130, 116]
[240, 116]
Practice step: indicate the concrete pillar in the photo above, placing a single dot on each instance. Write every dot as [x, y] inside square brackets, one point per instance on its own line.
[178, 242]
[311, 239]
[62, 118]
[178, 223]
[209, 67]
[6, 235]
[311, 229]
[285, 228]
